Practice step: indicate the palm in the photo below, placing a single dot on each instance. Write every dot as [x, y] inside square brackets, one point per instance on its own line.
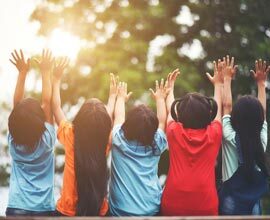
[19, 61]
[60, 67]
[47, 61]
[261, 71]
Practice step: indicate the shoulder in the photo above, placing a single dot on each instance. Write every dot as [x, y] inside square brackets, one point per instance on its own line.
[65, 131]
[160, 140]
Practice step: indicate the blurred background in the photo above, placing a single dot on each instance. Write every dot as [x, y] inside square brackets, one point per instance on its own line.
[139, 40]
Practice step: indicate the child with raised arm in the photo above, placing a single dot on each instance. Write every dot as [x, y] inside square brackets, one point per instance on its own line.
[138, 140]
[194, 136]
[85, 141]
[31, 142]
[244, 142]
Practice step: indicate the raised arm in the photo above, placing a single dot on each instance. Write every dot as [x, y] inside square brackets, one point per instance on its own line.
[122, 97]
[160, 95]
[56, 98]
[228, 71]
[260, 76]
[23, 68]
[112, 95]
[217, 81]
[45, 65]
[170, 91]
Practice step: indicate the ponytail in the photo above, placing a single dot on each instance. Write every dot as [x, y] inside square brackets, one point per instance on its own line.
[194, 110]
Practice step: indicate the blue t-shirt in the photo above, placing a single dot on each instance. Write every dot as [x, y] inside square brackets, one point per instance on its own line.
[32, 174]
[134, 184]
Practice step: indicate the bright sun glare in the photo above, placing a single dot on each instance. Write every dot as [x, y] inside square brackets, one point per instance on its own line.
[63, 43]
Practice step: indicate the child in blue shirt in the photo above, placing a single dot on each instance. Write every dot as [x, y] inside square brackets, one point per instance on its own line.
[31, 139]
[137, 143]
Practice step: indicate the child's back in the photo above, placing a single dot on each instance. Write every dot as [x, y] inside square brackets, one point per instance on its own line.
[32, 174]
[135, 188]
[194, 136]
[190, 186]
[31, 141]
[137, 143]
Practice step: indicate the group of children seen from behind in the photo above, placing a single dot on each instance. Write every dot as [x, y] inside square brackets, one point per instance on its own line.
[192, 128]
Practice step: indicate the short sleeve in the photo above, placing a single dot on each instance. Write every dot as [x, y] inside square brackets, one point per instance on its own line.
[160, 140]
[117, 139]
[264, 133]
[65, 133]
[228, 131]
[49, 136]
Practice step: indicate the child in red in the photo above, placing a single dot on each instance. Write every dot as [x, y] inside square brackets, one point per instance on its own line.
[194, 135]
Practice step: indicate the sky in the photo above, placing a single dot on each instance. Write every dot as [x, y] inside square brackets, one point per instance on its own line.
[18, 32]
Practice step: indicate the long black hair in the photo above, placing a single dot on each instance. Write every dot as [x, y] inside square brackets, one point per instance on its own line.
[26, 123]
[247, 119]
[194, 110]
[141, 125]
[92, 127]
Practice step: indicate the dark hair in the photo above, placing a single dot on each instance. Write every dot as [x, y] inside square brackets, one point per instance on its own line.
[194, 110]
[92, 127]
[26, 123]
[247, 119]
[141, 125]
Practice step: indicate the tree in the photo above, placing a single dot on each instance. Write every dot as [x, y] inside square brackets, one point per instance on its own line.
[124, 50]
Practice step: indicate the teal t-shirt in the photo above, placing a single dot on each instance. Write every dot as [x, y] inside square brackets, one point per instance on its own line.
[134, 184]
[229, 150]
[32, 174]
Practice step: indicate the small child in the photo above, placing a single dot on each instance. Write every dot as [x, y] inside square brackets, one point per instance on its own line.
[31, 142]
[244, 142]
[137, 143]
[194, 135]
[85, 140]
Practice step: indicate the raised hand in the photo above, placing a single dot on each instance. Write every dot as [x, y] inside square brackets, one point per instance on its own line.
[217, 78]
[261, 71]
[113, 85]
[122, 91]
[228, 67]
[47, 61]
[112, 95]
[20, 63]
[171, 80]
[59, 67]
[161, 90]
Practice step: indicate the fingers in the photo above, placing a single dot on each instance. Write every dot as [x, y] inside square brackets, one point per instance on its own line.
[161, 84]
[17, 55]
[112, 79]
[157, 85]
[209, 77]
[22, 57]
[232, 62]
[256, 65]
[253, 73]
[215, 67]
[175, 73]
[12, 62]
[264, 65]
[14, 56]
[128, 95]
[227, 60]
[152, 92]
[235, 68]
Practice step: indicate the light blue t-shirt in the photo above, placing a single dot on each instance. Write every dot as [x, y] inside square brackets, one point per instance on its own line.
[229, 149]
[32, 174]
[134, 184]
